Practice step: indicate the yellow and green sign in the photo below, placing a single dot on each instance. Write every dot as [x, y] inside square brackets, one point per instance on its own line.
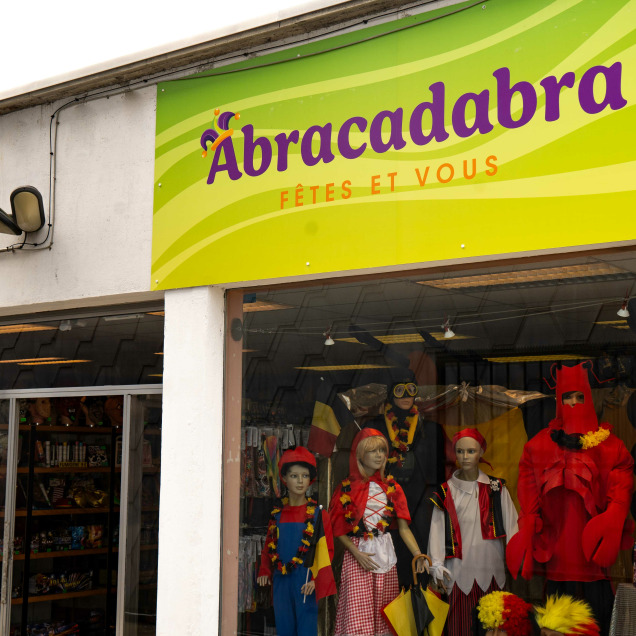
[490, 128]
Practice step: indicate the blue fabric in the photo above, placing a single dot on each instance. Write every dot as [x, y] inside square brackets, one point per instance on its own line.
[293, 617]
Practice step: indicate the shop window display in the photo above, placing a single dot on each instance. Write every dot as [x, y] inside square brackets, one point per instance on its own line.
[518, 327]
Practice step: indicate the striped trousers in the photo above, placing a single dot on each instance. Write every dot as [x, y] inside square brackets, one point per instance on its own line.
[460, 613]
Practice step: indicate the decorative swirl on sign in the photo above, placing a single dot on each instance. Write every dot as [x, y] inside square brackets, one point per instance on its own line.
[220, 130]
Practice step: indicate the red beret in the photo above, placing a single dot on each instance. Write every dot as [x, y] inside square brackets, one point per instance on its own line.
[470, 432]
[299, 455]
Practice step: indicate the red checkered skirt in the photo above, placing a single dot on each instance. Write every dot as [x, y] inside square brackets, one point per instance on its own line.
[361, 597]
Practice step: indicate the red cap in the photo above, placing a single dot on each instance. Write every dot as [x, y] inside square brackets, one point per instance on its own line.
[470, 432]
[298, 455]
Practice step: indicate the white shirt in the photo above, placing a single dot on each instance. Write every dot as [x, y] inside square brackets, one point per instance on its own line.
[382, 545]
[481, 558]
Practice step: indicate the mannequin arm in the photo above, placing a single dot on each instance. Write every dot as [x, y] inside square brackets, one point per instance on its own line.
[411, 543]
[363, 558]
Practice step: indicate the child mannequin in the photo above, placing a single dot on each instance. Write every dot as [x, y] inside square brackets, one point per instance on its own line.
[473, 516]
[363, 507]
[289, 536]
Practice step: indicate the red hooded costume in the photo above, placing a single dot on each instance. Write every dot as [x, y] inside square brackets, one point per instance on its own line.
[358, 491]
[574, 495]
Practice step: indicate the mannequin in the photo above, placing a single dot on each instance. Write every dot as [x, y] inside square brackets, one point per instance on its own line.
[416, 460]
[473, 517]
[504, 614]
[362, 508]
[565, 615]
[289, 536]
[575, 484]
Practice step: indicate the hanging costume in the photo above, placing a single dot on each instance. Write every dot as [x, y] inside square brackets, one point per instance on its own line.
[416, 461]
[575, 484]
[363, 508]
[470, 524]
[290, 533]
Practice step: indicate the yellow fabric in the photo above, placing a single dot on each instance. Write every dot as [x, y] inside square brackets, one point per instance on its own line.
[321, 559]
[399, 613]
[324, 418]
[505, 436]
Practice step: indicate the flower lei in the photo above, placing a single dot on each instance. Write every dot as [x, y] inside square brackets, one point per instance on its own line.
[579, 441]
[401, 438]
[386, 519]
[272, 531]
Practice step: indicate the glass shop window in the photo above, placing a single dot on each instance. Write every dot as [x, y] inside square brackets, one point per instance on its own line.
[116, 349]
[536, 359]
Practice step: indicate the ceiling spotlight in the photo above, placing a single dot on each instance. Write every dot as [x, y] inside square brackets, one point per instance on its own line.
[328, 339]
[65, 325]
[448, 332]
[623, 312]
[27, 212]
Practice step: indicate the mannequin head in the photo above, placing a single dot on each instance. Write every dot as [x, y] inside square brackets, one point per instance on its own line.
[469, 445]
[371, 454]
[566, 615]
[504, 614]
[297, 469]
[574, 406]
[402, 391]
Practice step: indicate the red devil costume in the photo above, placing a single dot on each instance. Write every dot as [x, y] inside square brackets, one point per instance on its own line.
[575, 484]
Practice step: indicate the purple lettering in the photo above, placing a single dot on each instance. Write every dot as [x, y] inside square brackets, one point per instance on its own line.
[324, 151]
[230, 161]
[436, 108]
[481, 124]
[344, 145]
[283, 141]
[395, 133]
[552, 88]
[249, 145]
[613, 96]
[504, 99]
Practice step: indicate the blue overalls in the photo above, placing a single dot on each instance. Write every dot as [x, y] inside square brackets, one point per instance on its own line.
[293, 617]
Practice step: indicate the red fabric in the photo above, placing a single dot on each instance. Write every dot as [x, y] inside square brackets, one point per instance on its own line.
[296, 456]
[362, 596]
[566, 489]
[321, 441]
[449, 504]
[470, 432]
[360, 491]
[460, 612]
[580, 418]
[487, 524]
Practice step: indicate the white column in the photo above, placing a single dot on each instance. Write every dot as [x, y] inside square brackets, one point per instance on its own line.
[191, 466]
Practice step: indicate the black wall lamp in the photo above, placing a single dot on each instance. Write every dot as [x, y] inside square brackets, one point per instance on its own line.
[27, 212]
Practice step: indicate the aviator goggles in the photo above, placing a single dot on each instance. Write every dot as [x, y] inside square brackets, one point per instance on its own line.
[410, 388]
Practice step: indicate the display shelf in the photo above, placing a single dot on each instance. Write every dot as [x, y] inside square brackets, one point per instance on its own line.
[73, 511]
[57, 469]
[75, 553]
[61, 553]
[93, 430]
[64, 511]
[43, 598]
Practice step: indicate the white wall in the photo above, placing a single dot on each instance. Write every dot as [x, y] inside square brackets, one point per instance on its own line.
[191, 464]
[103, 202]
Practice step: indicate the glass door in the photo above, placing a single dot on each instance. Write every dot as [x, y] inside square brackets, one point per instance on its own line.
[141, 452]
[66, 528]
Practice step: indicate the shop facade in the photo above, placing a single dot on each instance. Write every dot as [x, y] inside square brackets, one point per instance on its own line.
[439, 193]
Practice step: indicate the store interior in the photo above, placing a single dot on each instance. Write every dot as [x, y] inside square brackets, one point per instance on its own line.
[482, 342]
